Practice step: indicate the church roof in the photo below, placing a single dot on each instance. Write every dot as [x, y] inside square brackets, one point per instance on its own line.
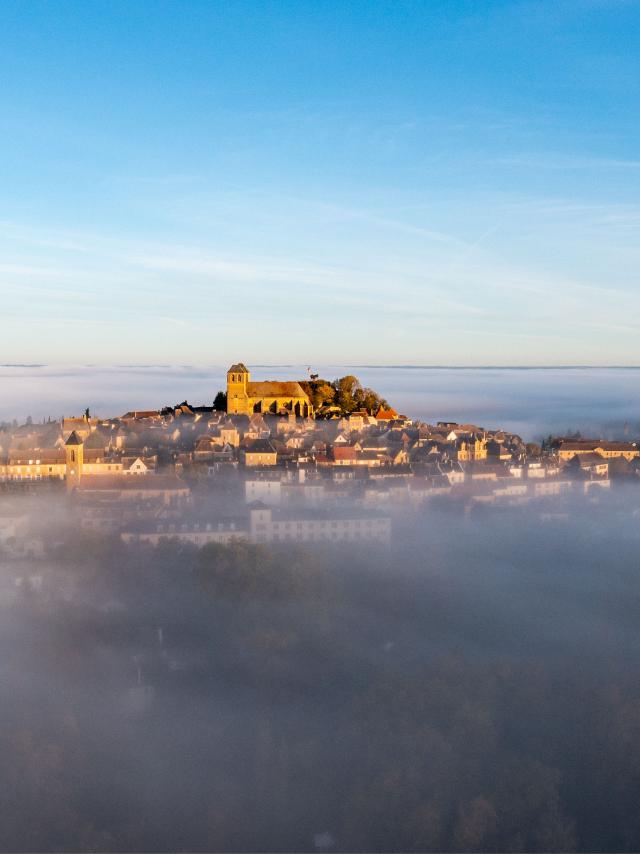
[238, 368]
[74, 439]
[272, 388]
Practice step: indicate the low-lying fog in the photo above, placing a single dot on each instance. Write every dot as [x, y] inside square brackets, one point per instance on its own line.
[473, 688]
[529, 402]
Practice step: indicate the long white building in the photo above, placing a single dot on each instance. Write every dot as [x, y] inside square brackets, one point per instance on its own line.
[267, 525]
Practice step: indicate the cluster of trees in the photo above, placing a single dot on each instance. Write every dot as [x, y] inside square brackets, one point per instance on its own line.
[253, 699]
[345, 393]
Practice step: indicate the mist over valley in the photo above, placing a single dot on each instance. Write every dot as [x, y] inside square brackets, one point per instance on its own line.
[532, 402]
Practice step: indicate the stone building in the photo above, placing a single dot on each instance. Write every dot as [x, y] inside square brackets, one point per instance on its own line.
[607, 450]
[245, 397]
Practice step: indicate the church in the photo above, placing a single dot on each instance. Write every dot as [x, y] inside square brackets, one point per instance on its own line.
[245, 397]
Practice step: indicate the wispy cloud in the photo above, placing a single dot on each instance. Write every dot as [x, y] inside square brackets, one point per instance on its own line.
[558, 161]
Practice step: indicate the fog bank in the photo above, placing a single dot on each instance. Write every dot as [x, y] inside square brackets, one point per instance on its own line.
[473, 687]
[530, 402]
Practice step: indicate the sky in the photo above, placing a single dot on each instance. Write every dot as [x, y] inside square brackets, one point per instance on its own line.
[450, 183]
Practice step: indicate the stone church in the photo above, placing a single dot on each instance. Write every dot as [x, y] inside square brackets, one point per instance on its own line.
[246, 397]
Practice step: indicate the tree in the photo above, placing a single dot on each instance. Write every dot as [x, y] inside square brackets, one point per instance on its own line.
[323, 393]
[347, 389]
[220, 402]
[344, 392]
[320, 392]
[371, 401]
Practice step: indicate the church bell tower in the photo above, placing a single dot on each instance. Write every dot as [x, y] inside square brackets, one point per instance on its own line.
[74, 449]
[237, 394]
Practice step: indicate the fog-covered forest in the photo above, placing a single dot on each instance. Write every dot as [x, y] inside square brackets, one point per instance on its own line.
[475, 688]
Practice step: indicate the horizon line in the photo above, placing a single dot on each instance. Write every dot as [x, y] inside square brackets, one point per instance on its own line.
[367, 366]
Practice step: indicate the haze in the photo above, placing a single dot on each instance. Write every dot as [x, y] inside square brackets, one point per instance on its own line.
[309, 699]
[533, 403]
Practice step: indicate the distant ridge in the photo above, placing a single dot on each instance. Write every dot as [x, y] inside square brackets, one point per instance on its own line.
[345, 366]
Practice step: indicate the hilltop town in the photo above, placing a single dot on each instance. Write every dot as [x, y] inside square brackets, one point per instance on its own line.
[283, 462]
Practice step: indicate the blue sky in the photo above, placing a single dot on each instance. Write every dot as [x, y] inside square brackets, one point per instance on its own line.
[383, 183]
